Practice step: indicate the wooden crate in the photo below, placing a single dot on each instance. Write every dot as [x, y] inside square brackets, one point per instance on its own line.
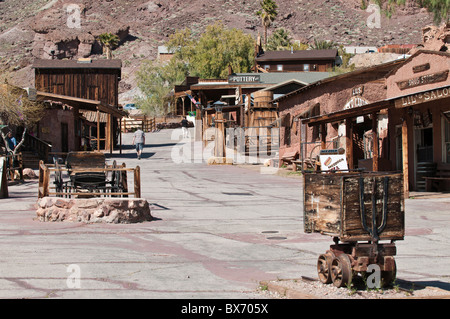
[332, 205]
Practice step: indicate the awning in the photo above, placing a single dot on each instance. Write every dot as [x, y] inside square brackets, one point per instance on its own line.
[348, 113]
[82, 104]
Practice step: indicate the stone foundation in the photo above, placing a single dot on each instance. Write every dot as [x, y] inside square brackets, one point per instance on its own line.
[93, 210]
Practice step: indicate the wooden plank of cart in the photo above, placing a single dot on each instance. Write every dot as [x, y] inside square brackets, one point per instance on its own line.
[361, 211]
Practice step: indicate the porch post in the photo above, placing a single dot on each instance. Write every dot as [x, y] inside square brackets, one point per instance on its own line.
[375, 146]
[405, 156]
[349, 142]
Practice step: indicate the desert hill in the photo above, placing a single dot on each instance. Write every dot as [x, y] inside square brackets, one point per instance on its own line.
[30, 29]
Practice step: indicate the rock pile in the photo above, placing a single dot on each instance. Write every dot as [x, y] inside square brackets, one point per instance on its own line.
[93, 210]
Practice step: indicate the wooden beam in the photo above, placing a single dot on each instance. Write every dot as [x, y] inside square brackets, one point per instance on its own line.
[349, 142]
[323, 133]
[405, 156]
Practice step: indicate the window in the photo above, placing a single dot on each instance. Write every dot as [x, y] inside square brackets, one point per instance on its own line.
[446, 138]
[280, 67]
[267, 67]
[306, 67]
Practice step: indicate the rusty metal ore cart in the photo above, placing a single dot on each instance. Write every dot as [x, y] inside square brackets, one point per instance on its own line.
[359, 210]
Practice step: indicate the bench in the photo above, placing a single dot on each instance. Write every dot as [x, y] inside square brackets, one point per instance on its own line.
[288, 158]
[306, 164]
[437, 182]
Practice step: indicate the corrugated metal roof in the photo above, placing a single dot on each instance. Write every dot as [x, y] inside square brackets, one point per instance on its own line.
[330, 54]
[75, 64]
[280, 77]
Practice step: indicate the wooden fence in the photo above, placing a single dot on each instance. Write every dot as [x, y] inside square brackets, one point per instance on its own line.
[14, 163]
[145, 124]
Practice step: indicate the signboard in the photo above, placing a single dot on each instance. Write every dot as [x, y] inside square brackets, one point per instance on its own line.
[244, 79]
[423, 80]
[355, 101]
[333, 162]
[3, 179]
[418, 98]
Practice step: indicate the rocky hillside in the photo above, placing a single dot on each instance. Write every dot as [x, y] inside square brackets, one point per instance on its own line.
[40, 28]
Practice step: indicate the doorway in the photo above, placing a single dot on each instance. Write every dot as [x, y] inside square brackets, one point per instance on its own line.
[64, 137]
[425, 166]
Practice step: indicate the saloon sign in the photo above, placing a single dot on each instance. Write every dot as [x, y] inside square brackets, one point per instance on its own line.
[423, 97]
[355, 101]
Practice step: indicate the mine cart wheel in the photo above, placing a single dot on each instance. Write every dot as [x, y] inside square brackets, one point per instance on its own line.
[324, 267]
[341, 271]
[388, 277]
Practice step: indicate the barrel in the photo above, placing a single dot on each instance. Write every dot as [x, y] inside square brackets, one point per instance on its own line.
[262, 99]
[424, 169]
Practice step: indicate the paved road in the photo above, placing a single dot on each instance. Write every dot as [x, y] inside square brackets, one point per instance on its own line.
[218, 231]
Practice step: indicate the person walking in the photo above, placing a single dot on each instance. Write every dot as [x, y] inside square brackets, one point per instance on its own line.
[184, 127]
[139, 141]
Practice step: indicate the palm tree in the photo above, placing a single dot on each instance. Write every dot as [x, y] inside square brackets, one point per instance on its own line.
[324, 45]
[268, 13]
[280, 40]
[109, 41]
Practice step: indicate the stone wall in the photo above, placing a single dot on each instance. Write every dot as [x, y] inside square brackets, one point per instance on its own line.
[93, 210]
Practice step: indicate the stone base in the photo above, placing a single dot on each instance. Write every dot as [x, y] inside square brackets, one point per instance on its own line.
[93, 210]
[220, 161]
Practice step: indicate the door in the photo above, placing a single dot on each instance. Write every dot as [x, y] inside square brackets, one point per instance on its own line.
[64, 137]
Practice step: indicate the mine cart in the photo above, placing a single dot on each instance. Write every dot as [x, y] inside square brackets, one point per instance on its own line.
[359, 210]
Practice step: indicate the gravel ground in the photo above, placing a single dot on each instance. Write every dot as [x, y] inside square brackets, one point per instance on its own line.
[311, 288]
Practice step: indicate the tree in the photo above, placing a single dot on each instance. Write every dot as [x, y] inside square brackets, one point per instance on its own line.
[324, 45]
[109, 41]
[155, 82]
[17, 110]
[268, 13]
[210, 55]
[279, 40]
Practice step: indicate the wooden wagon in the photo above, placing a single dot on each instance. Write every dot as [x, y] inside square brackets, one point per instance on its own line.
[358, 210]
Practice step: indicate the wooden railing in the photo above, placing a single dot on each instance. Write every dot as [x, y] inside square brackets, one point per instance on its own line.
[41, 147]
[14, 163]
[46, 170]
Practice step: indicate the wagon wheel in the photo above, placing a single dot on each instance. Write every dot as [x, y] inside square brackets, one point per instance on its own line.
[341, 271]
[315, 152]
[324, 267]
[116, 178]
[388, 277]
[58, 179]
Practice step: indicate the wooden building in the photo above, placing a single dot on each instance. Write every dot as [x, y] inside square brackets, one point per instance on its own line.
[83, 103]
[297, 61]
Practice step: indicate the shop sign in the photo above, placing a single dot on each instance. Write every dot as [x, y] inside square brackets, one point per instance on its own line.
[423, 80]
[244, 79]
[331, 162]
[419, 98]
